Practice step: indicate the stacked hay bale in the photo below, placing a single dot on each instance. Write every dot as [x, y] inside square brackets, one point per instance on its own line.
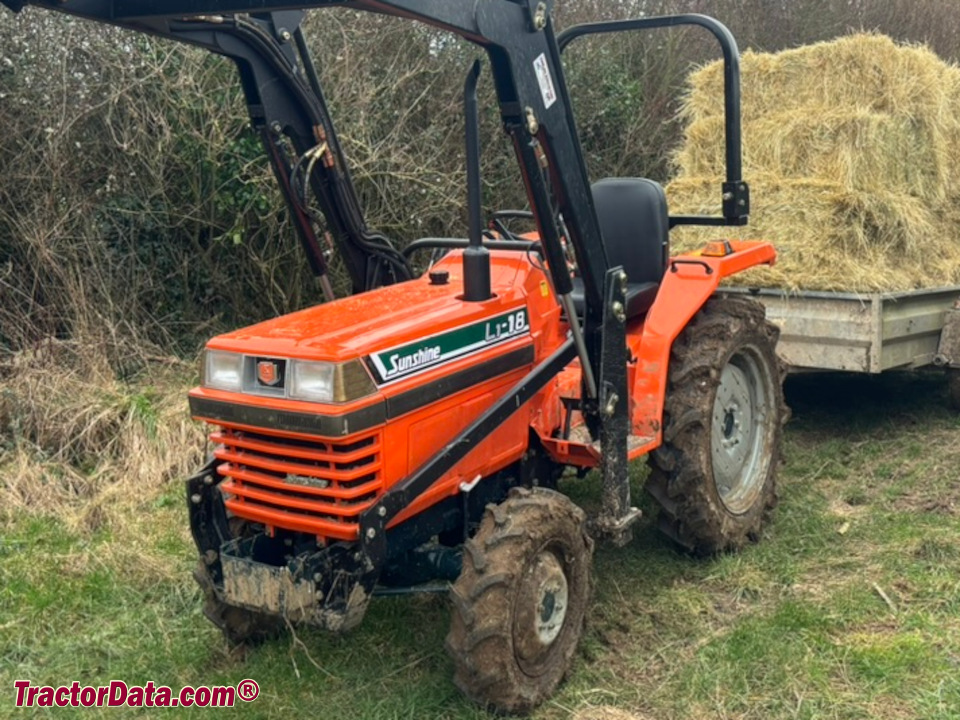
[852, 151]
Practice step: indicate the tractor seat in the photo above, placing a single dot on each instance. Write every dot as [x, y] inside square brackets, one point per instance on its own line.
[635, 228]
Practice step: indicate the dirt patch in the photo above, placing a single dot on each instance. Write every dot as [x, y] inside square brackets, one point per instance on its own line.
[607, 712]
[942, 501]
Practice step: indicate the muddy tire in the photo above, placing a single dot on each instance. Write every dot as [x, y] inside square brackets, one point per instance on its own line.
[715, 474]
[953, 388]
[520, 603]
[238, 625]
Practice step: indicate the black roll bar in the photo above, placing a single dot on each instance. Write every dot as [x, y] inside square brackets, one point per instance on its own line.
[736, 193]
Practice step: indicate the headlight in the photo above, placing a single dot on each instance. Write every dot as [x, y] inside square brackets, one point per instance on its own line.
[222, 370]
[329, 382]
[312, 381]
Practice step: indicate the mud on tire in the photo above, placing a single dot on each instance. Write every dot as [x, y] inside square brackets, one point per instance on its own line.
[715, 474]
[520, 603]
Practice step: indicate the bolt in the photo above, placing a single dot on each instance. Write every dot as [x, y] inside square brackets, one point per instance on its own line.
[540, 16]
[207, 480]
[319, 596]
[622, 277]
[196, 499]
[285, 35]
[619, 312]
[276, 128]
[382, 511]
[611, 406]
[533, 125]
[728, 196]
[317, 577]
[371, 533]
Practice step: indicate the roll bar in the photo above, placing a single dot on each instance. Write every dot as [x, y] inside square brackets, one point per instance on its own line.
[736, 192]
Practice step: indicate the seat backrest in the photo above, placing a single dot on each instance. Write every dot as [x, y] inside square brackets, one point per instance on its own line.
[635, 226]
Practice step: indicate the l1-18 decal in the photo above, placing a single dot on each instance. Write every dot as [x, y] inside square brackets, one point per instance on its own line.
[415, 357]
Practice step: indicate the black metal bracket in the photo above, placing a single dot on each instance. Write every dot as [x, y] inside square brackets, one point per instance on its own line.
[736, 199]
[208, 517]
[616, 515]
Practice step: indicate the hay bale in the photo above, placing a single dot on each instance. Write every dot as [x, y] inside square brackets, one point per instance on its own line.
[866, 71]
[859, 149]
[829, 237]
[850, 147]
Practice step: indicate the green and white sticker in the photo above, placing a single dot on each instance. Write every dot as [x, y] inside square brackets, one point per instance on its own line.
[406, 360]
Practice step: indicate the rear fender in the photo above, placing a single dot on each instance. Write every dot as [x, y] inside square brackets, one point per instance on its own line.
[688, 284]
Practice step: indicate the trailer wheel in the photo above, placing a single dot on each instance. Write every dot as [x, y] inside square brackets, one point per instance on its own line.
[953, 380]
[520, 603]
[715, 474]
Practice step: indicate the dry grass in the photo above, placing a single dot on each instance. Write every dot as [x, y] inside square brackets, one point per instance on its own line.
[850, 147]
[78, 443]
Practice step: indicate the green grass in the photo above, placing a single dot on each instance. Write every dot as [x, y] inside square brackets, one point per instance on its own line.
[848, 608]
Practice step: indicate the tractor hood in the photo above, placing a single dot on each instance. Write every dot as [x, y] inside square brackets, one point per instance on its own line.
[392, 317]
[408, 336]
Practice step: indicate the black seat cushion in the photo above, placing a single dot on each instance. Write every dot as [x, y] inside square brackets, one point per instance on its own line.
[635, 227]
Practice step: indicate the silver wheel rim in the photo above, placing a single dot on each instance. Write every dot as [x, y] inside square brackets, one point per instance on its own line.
[541, 612]
[739, 435]
[552, 598]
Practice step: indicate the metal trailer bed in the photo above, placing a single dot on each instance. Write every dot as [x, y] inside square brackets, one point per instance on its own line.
[865, 333]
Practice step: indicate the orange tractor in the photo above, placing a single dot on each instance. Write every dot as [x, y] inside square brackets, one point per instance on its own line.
[416, 430]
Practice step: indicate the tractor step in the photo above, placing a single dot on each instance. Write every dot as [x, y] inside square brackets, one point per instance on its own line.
[582, 451]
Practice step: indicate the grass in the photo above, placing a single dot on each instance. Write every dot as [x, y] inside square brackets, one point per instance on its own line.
[848, 608]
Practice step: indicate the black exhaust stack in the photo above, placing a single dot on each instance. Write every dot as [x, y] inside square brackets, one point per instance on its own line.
[476, 258]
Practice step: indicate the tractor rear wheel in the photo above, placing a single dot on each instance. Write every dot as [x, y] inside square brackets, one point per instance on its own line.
[715, 474]
[520, 603]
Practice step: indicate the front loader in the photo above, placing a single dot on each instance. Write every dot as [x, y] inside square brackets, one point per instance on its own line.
[415, 432]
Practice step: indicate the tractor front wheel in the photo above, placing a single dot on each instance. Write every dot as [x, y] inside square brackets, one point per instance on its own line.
[715, 474]
[521, 600]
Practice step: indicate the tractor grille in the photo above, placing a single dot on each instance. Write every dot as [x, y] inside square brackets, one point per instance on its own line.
[315, 486]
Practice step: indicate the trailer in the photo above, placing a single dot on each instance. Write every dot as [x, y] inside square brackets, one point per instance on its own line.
[865, 332]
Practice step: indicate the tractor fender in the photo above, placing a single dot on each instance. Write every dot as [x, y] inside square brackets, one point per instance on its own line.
[689, 282]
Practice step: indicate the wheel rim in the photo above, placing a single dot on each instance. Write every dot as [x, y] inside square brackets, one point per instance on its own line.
[740, 428]
[541, 611]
